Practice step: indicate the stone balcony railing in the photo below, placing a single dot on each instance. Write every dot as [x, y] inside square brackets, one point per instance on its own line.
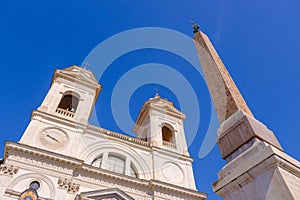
[169, 144]
[118, 135]
[64, 112]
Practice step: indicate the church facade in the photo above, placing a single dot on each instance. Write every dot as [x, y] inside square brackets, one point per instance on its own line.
[61, 156]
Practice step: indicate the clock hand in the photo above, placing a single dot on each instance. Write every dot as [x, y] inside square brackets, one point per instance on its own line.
[56, 140]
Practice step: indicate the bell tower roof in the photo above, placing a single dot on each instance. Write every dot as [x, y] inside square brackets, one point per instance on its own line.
[78, 73]
[80, 76]
[160, 105]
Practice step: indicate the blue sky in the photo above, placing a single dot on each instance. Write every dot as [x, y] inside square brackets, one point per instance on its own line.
[259, 42]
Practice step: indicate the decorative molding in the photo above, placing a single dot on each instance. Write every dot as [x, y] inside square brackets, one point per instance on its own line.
[57, 81]
[26, 150]
[124, 186]
[118, 135]
[45, 181]
[168, 196]
[41, 163]
[162, 187]
[58, 119]
[12, 193]
[68, 185]
[8, 169]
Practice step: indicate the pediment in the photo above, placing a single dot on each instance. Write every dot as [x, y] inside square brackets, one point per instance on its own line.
[163, 104]
[166, 107]
[79, 73]
[111, 194]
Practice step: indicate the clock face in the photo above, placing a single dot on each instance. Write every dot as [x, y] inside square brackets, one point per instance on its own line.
[173, 172]
[53, 138]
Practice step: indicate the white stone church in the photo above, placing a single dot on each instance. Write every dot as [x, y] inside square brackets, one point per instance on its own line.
[62, 157]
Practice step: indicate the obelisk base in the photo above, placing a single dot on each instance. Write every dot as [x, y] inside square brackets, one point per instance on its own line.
[257, 169]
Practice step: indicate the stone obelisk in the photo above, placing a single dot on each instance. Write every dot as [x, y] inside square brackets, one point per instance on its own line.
[256, 166]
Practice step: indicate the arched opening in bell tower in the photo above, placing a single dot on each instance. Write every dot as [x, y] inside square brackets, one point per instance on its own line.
[69, 102]
[167, 134]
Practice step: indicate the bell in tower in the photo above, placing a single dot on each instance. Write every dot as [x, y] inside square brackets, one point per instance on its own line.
[72, 94]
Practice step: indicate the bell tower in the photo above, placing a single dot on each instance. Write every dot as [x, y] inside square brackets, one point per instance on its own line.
[57, 124]
[161, 124]
[72, 94]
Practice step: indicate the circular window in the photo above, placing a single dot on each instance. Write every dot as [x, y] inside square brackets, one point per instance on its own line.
[34, 185]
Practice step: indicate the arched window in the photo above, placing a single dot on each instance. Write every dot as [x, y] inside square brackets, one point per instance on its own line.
[133, 171]
[144, 135]
[115, 163]
[35, 185]
[97, 162]
[69, 103]
[167, 134]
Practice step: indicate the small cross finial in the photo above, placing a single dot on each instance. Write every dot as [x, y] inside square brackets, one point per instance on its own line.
[196, 27]
[156, 90]
[85, 65]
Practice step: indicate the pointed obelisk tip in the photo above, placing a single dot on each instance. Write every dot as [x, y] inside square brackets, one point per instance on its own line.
[196, 27]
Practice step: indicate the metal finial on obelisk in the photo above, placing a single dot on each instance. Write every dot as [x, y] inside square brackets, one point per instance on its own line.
[196, 27]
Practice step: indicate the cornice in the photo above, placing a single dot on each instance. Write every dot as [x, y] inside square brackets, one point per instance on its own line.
[148, 107]
[259, 159]
[40, 153]
[173, 154]
[141, 117]
[16, 194]
[58, 119]
[172, 113]
[112, 175]
[174, 188]
[154, 184]
[80, 168]
[57, 73]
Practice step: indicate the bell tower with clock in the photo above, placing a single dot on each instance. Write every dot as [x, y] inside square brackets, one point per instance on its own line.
[58, 123]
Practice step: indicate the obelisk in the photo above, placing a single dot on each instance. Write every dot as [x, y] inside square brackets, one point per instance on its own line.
[256, 165]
